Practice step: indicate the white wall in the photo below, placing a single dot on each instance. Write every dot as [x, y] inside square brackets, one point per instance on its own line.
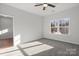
[73, 37]
[28, 25]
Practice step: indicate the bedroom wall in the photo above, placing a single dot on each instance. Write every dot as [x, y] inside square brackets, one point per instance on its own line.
[28, 25]
[73, 36]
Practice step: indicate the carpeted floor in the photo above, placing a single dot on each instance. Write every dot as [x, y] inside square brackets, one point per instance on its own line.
[58, 48]
[44, 47]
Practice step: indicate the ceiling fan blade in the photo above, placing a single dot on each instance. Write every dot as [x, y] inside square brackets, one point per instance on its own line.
[44, 8]
[51, 5]
[38, 4]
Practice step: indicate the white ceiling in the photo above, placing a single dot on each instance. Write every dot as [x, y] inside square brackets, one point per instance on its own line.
[29, 7]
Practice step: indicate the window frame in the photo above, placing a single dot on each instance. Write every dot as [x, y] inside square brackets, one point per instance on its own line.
[58, 26]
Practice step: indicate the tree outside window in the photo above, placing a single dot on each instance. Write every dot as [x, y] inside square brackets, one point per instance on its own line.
[60, 26]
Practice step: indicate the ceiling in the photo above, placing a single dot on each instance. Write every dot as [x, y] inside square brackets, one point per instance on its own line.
[29, 7]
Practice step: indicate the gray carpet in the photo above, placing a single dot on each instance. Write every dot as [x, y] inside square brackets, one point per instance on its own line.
[60, 48]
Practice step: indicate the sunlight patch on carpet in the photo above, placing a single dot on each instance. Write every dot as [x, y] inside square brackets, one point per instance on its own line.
[14, 53]
[30, 44]
[7, 49]
[37, 49]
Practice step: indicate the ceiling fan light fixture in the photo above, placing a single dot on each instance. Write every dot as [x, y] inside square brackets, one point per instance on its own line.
[45, 5]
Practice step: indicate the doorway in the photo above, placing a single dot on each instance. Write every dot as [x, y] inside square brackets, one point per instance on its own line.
[6, 31]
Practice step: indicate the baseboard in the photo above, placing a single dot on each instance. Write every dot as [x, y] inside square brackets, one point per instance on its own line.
[62, 41]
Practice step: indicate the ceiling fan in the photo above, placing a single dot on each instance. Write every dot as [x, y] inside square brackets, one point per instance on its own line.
[45, 5]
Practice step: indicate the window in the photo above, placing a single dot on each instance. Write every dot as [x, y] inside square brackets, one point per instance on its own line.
[60, 26]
